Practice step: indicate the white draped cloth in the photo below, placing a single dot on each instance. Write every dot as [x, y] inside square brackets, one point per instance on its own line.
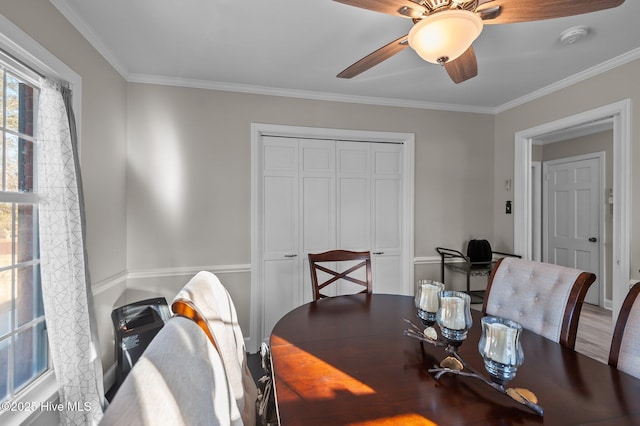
[178, 381]
[194, 371]
[206, 294]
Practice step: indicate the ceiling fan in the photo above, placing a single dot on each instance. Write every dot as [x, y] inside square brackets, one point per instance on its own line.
[444, 30]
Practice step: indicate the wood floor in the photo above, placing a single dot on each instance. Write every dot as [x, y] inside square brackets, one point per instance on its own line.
[595, 330]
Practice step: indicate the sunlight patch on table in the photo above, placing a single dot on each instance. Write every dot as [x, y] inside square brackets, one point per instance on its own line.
[402, 419]
[333, 381]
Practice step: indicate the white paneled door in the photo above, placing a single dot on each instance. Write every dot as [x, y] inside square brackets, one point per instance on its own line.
[320, 195]
[573, 217]
[280, 255]
[318, 208]
[387, 205]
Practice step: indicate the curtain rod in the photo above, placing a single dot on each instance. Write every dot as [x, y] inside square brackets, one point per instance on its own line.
[20, 64]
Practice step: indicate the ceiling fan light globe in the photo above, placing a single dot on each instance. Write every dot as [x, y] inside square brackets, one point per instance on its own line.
[445, 34]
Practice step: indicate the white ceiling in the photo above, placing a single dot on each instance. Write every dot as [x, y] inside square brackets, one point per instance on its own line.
[296, 48]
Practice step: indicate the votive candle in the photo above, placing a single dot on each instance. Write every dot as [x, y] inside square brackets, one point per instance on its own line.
[453, 312]
[500, 344]
[429, 296]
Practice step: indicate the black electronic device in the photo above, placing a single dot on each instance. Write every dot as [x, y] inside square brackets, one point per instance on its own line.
[135, 325]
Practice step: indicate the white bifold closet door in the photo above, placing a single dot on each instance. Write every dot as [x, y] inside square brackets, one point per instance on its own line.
[321, 195]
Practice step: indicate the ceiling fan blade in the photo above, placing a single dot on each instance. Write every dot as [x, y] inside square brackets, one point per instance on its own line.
[373, 59]
[402, 8]
[521, 11]
[463, 67]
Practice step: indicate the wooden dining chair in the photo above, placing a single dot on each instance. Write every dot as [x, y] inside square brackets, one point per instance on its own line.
[350, 274]
[543, 297]
[625, 345]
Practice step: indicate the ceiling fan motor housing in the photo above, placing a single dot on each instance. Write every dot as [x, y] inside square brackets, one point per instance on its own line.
[437, 5]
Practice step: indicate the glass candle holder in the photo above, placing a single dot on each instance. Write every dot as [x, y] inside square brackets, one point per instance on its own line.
[500, 348]
[454, 316]
[427, 300]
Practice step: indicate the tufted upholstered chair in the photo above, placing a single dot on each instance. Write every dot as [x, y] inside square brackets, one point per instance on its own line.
[625, 346]
[544, 298]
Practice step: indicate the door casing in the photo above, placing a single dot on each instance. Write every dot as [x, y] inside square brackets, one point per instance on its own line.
[620, 112]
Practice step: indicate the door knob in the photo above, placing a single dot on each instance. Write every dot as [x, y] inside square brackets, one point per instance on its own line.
[593, 240]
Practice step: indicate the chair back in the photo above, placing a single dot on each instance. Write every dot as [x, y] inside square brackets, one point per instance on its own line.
[207, 302]
[179, 380]
[543, 297]
[321, 264]
[625, 345]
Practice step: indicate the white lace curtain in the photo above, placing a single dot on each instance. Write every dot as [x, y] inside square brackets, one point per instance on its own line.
[68, 302]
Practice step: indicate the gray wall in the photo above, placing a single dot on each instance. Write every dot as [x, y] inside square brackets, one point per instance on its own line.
[189, 189]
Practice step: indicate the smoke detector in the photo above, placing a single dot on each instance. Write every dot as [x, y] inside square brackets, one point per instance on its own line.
[573, 34]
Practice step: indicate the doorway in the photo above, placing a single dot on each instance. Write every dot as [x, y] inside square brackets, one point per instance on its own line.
[620, 114]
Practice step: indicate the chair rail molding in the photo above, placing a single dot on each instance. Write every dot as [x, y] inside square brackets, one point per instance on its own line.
[187, 270]
[433, 260]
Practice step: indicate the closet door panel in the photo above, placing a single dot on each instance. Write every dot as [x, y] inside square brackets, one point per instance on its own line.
[280, 278]
[354, 195]
[387, 210]
[354, 231]
[387, 237]
[280, 230]
[280, 218]
[318, 220]
[387, 272]
[280, 200]
[387, 218]
[317, 204]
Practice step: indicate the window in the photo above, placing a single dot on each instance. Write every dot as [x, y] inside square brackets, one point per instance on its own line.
[23, 339]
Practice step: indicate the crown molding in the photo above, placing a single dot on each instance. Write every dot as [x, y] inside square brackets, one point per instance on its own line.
[301, 94]
[571, 80]
[87, 32]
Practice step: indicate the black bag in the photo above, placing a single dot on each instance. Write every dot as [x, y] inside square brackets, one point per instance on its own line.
[265, 403]
[479, 252]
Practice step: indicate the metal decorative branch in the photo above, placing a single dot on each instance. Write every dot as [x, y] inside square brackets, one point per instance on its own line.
[454, 364]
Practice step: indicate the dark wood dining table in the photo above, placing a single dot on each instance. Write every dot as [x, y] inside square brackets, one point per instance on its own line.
[345, 361]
